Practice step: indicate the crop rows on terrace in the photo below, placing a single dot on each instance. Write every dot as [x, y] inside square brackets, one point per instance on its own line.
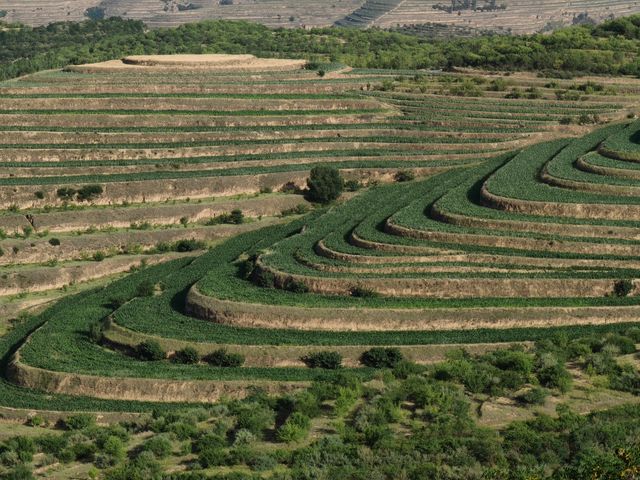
[89, 171]
[453, 259]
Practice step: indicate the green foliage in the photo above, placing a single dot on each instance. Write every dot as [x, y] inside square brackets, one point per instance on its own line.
[404, 176]
[235, 217]
[223, 358]
[325, 184]
[623, 288]
[150, 350]
[533, 396]
[187, 355]
[160, 445]
[80, 421]
[324, 359]
[89, 192]
[299, 209]
[382, 357]
[294, 429]
[254, 417]
[55, 242]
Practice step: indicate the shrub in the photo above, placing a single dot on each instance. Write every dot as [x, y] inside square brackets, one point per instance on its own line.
[533, 396]
[54, 242]
[352, 185]
[222, 358]
[89, 192]
[80, 421]
[498, 85]
[21, 472]
[96, 332]
[212, 456]
[159, 445]
[381, 357]
[263, 278]
[623, 288]
[39, 194]
[325, 184]
[189, 245]
[362, 292]
[291, 188]
[187, 355]
[99, 256]
[146, 288]
[254, 417]
[325, 359]
[299, 209]
[236, 217]
[552, 373]
[624, 345]
[295, 428]
[404, 176]
[295, 286]
[150, 350]
[65, 193]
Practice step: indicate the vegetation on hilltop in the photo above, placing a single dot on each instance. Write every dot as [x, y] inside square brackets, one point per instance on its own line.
[610, 48]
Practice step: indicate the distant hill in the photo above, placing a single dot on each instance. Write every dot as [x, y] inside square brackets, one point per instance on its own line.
[516, 16]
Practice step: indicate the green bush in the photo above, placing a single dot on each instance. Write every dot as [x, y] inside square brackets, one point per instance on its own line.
[381, 357]
[160, 445]
[363, 292]
[222, 358]
[146, 288]
[189, 245]
[80, 421]
[533, 396]
[212, 456]
[324, 184]
[21, 472]
[263, 278]
[352, 185]
[404, 176]
[150, 350]
[295, 286]
[66, 193]
[54, 242]
[187, 355]
[325, 359]
[299, 209]
[89, 192]
[254, 417]
[294, 429]
[623, 288]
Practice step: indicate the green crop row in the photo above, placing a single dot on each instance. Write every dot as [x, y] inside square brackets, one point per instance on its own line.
[209, 113]
[274, 141]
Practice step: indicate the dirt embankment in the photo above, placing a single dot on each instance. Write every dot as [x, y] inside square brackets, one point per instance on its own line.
[243, 314]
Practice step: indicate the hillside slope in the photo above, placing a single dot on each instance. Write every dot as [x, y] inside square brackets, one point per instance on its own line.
[519, 16]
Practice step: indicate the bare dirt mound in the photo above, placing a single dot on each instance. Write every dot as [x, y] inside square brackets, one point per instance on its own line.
[215, 62]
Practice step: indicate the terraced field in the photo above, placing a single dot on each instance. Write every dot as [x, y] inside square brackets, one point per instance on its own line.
[516, 227]
[519, 16]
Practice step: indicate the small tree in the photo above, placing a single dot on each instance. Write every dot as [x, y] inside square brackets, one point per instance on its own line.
[404, 176]
[623, 288]
[380, 357]
[325, 184]
[324, 359]
[187, 355]
[295, 428]
[89, 192]
[222, 358]
[150, 350]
